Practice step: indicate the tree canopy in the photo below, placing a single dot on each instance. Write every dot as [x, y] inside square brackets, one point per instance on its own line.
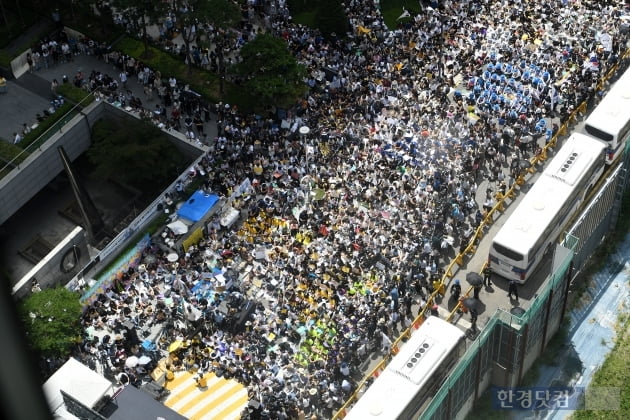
[192, 14]
[331, 19]
[52, 321]
[135, 153]
[142, 14]
[270, 71]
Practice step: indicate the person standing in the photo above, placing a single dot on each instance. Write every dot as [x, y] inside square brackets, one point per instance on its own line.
[473, 320]
[386, 343]
[513, 290]
[456, 290]
[476, 290]
[123, 79]
[198, 122]
[487, 274]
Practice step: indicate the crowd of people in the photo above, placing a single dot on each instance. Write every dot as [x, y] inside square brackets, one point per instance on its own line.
[359, 196]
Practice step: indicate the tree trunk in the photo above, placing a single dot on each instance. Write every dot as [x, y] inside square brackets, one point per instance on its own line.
[145, 38]
[186, 36]
[221, 71]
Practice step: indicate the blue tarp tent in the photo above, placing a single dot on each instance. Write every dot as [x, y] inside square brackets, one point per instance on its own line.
[197, 206]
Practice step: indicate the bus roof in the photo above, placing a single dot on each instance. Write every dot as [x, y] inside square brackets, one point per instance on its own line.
[611, 114]
[549, 194]
[402, 379]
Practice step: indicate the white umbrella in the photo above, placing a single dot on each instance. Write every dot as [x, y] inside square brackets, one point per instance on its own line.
[178, 227]
[132, 361]
[143, 360]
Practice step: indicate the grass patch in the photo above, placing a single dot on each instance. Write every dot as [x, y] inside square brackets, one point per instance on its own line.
[392, 9]
[48, 127]
[9, 151]
[306, 18]
[5, 59]
[75, 94]
[614, 373]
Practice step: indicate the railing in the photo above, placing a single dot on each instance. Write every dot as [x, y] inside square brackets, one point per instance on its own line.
[57, 126]
[488, 220]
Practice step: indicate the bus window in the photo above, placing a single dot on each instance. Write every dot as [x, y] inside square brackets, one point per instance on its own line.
[507, 252]
[596, 132]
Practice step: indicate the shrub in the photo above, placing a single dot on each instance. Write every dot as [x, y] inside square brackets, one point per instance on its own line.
[9, 151]
[58, 119]
[204, 82]
[75, 94]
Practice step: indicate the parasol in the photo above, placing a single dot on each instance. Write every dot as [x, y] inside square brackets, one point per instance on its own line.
[474, 279]
[524, 164]
[526, 139]
[471, 304]
[132, 361]
[318, 194]
[172, 257]
[175, 345]
[178, 227]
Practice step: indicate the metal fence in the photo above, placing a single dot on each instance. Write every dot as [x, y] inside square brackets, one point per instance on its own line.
[600, 216]
[501, 347]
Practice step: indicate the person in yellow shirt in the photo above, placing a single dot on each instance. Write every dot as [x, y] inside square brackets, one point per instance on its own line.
[202, 382]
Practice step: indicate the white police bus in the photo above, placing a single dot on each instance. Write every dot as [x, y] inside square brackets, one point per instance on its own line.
[610, 120]
[519, 246]
[414, 375]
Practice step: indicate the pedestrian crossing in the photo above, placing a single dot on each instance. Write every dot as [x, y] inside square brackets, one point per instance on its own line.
[223, 399]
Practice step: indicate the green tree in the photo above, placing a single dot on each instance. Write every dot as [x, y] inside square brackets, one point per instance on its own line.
[270, 71]
[52, 321]
[143, 13]
[135, 153]
[192, 14]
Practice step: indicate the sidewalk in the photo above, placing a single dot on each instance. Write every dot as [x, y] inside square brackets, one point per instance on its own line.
[31, 93]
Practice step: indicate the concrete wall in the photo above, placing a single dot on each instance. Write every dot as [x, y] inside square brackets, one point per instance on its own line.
[19, 65]
[188, 148]
[44, 164]
[50, 271]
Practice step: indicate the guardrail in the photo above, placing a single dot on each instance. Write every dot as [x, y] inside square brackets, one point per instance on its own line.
[471, 248]
[57, 126]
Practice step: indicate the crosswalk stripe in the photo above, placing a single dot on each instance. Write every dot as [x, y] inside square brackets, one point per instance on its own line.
[221, 400]
[214, 391]
[234, 409]
[211, 408]
[185, 394]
